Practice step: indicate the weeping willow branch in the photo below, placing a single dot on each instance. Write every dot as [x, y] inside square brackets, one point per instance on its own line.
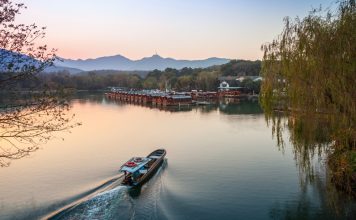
[310, 72]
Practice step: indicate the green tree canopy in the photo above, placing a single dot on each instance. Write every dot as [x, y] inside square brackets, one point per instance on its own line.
[241, 68]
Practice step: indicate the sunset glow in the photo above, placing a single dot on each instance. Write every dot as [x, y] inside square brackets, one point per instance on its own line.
[180, 29]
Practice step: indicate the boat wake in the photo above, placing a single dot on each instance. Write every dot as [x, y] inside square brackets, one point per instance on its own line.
[111, 185]
[101, 206]
[114, 201]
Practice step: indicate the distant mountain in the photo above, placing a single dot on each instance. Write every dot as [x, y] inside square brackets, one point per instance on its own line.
[140, 73]
[13, 62]
[119, 62]
[116, 62]
[53, 69]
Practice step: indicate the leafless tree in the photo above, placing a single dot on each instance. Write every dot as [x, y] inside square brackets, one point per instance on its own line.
[30, 111]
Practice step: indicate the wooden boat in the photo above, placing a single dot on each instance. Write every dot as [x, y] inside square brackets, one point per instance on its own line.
[138, 170]
[203, 103]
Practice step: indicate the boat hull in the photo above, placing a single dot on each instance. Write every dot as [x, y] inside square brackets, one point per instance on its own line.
[149, 175]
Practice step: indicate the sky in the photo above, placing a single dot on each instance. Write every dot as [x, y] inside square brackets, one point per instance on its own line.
[181, 29]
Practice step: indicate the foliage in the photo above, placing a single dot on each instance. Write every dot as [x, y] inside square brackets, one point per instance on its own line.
[241, 68]
[250, 85]
[185, 79]
[180, 80]
[310, 70]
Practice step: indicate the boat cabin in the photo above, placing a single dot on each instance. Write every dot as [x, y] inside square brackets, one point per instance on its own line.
[138, 169]
[135, 168]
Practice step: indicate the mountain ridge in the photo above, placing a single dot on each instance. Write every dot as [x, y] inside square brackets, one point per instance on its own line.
[115, 62]
[120, 62]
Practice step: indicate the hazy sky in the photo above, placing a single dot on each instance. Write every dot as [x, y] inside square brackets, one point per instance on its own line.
[184, 29]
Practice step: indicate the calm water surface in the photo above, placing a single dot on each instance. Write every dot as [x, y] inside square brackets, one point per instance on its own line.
[221, 163]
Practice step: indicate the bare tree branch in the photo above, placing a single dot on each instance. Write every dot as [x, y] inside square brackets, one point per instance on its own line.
[27, 118]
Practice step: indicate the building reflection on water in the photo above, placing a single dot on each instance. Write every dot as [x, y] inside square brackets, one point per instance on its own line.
[225, 106]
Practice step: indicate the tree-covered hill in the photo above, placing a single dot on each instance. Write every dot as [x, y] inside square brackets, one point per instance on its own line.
[185, 79]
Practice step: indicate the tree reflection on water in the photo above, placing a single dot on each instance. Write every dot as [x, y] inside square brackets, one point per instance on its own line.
[311, 141]
[28, 122]
[318, 199]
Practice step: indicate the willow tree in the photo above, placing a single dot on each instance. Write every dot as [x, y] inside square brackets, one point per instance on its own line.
[310, 72]
[27, 118]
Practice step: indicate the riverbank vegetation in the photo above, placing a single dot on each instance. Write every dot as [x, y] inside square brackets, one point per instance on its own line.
[186, 79]
[310, 71]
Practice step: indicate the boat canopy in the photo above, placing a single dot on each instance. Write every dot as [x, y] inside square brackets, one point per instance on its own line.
[134, 164]
[181, 97]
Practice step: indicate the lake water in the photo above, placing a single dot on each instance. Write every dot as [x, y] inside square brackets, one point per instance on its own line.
[222, 163]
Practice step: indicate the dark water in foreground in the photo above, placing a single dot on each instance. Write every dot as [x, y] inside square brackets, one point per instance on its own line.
[221, 163]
